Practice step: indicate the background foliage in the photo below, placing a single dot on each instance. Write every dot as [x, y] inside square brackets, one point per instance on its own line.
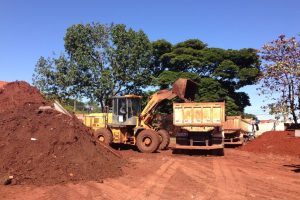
[101, 61]
[280, 80]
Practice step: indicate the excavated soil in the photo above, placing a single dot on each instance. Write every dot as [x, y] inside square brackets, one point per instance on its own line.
[46, 146]
[17, 94]
[275, 142]
[2, 83]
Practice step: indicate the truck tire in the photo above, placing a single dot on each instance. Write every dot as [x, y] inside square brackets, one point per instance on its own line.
[104, 135]
[164, 138]
[147, 141]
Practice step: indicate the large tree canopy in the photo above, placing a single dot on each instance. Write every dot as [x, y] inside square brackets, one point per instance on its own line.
[281, 76]
[100, 61]
[219, 72]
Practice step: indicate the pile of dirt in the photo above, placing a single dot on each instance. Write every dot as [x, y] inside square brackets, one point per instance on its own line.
[45, 146]
[275, 142]
[2, 83]
[17, 94]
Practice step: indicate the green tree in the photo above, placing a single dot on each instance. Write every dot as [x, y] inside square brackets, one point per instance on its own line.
[220, 73]
[280, 80]
[167, 78]
[53, 75]
[160, 47]
[100, 61]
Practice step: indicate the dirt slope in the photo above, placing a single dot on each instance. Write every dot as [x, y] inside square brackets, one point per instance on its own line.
[275, 142]
[47, 147]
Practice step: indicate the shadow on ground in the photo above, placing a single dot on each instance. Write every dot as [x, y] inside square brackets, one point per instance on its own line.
[193, 152]
[124, 147]
[295, 168]
[232, 146]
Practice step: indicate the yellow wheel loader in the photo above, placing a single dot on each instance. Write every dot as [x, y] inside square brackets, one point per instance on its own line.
[128, 124]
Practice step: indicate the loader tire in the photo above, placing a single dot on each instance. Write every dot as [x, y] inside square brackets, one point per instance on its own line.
[147, 141]
[164, 138]
[104, 135]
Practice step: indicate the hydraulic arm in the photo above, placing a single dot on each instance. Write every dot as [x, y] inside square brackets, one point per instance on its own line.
[183, 88]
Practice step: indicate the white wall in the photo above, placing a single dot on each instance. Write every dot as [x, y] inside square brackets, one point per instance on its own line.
[263, 127]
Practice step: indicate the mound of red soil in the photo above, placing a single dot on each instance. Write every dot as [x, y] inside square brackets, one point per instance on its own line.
[17, 94]
[45, 146]
[275, 142]
[2, 83]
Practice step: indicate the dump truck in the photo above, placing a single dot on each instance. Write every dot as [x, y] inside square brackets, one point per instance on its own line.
[236, 130]
[200, 126]
[129, 124]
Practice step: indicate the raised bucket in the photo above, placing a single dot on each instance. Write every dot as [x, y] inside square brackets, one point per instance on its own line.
[185, 89]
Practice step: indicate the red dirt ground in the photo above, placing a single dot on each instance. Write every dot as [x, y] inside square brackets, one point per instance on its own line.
[239, 175]
[275, 142]
[46, 146]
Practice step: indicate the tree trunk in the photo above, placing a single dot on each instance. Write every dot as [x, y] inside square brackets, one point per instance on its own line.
[293, 112]
[101, 105]
[294, 116]
[298, 96]
[292, 102]
[74, 105]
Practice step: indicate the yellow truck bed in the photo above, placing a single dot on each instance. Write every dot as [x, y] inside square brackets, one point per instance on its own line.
[235, 123]
[200, 125]
[235, 128]
[210, 114]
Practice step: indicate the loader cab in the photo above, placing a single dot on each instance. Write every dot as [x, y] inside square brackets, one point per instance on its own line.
[126, 109]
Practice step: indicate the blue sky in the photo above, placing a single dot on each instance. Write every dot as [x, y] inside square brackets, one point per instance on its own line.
[34, 28]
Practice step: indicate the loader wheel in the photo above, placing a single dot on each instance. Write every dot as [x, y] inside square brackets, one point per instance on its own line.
[147, 141]
[164, 138]
[104, 135]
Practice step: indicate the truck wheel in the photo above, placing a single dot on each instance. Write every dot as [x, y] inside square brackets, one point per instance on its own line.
[104, 135]
[164, 138]
[147, 141]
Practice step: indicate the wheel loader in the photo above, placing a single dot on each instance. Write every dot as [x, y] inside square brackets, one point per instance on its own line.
[128, 124]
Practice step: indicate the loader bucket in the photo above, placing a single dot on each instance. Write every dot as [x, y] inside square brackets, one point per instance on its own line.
[185, 89]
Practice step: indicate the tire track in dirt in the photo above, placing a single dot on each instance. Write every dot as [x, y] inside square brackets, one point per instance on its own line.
[70, 191]
[238, 175]
[155, 183]
[201, 173]
[265, 178]
[148, 187]
[109, 190]
[271, 184]
[228, 184]
[58, 193]
[181, 187]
